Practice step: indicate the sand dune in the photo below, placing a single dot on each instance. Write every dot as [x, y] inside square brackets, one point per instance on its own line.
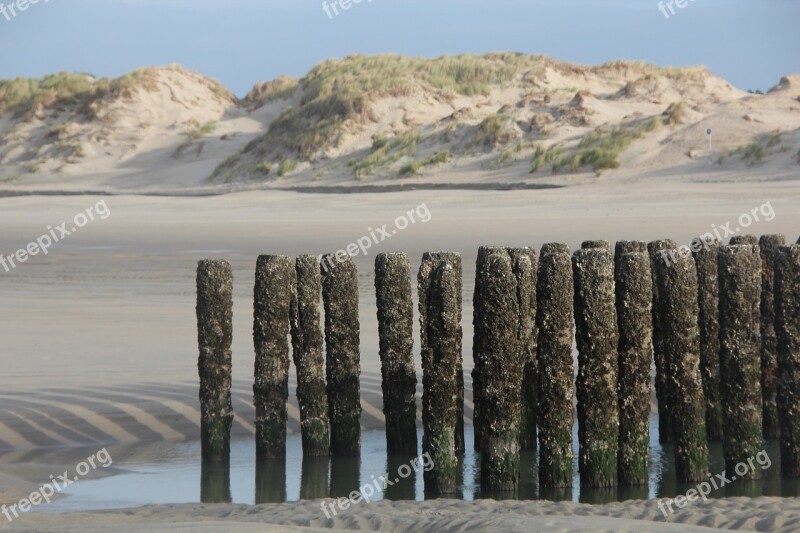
[400, 122]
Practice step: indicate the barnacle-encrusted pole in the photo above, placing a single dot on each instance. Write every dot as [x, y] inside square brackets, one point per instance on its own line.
[442, 326]
[596, 385]
[740, 356]
[768, 245]
[480, 348]
[678, 313]
[501, 376]
[309, 361]
[705, 256]
[423, 277]
[634, 294]
[395, 329]
[524, 264]
[787, 328]
[555, 324]
[214, 336]
[274, 291]
[667, 249]
[343, 356]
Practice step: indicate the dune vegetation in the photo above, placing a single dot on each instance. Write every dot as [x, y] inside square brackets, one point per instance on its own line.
[24, 96]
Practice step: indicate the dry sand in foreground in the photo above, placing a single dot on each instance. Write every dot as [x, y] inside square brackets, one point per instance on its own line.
[742, 514]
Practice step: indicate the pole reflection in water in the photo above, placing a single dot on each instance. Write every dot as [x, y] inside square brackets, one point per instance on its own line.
[528, 475]
[345, 476]
[401, 488]
[598, 495]
[270, 480]
[215, 482]
[314, 478]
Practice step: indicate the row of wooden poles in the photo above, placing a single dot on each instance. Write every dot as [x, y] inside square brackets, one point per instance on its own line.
[722, 324]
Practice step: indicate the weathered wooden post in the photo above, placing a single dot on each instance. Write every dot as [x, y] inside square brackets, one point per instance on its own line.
[787, 328]
[737, 240]
[395, 329]
[768, 245]
[555, 323]
[214, 337]
[342, 355]
[309, 362]
[634, 295]
[678, 313]
[501, 375]
[439, 292]
[596, 385]
[665, 248]
[740, 358]
[274, 290]
[705, 254]
[424, 280]
[524, 264]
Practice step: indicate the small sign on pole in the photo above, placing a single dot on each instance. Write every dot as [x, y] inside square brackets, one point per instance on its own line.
[710, 156]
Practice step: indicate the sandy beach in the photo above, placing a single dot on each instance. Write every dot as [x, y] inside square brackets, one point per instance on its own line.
[103, 327]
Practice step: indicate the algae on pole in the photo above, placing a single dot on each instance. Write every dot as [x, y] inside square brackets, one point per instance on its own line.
[423, 279]
[555, 324]
[596, 385]
[634, 294]
[768, 245]
[524, 264]
[307, 347]
[740, 355]
[705, 256]
[273, 294]
[787, 329]
[395, 331]
[676, 277]
[439, 290]
[665, 248]
[342, 354]
[214, 336]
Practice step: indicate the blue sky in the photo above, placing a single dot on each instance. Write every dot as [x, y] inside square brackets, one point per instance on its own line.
[752, 43]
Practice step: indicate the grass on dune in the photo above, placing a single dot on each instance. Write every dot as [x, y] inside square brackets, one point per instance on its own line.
[340, 90]
[599, 149]
[23, 96]
[433, 160]
[385, 152]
